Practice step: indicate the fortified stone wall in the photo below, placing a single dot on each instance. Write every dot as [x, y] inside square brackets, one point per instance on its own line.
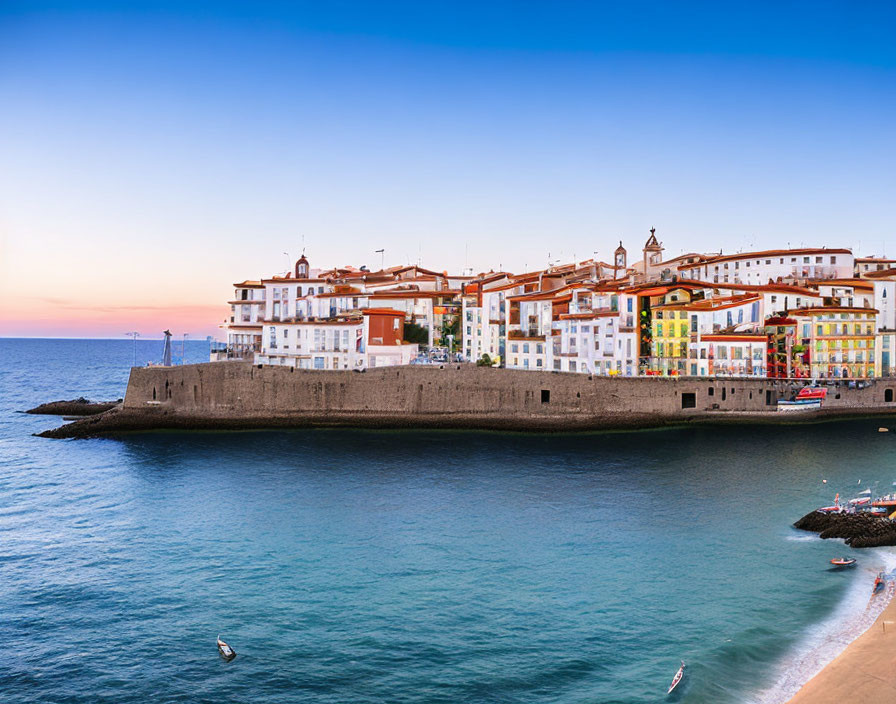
[458, 395]
[240, 395]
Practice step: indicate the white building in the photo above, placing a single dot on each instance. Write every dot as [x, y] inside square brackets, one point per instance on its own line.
[243, 328]
[884, 303]
[598, 334]
[373, 338]
[758, 268]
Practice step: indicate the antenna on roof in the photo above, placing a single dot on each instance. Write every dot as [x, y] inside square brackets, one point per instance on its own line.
[134, 335]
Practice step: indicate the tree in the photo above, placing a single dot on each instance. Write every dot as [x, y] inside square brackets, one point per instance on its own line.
[451, 328]
[484, 361]
[416, 333]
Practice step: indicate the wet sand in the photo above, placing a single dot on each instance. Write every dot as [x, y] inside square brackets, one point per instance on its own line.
[865, 671]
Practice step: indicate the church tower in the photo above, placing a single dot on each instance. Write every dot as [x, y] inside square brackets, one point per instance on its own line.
[620, 261]
[302, 268]
[653, 252]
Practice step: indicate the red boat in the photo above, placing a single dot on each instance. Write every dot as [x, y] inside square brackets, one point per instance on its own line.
[878, 583]
[843, 561]
[677, 679]
[836, 508]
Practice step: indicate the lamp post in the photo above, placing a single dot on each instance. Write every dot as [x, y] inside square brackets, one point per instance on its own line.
[183, 350]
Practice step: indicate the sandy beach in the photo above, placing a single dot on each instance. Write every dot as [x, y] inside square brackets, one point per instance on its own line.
[864, 671]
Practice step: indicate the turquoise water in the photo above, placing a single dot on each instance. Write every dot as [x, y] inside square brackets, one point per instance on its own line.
[358, 566]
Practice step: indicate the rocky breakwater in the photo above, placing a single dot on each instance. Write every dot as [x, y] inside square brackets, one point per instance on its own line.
[74, 407]
[859, 530]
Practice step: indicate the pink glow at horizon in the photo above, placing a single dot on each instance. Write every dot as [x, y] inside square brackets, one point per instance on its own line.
[197, 321]
[72, 319]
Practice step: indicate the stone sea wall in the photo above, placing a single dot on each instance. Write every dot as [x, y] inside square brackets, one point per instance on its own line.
[243, 395]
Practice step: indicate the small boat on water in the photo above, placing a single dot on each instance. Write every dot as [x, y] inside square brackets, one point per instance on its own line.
[879, 582]
[225, 650]
[834, 508]
[677, 679]
[843, 561]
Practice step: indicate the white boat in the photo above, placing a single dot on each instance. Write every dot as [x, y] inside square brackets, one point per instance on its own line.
[225, 650]
[677, 679]
[805, 405]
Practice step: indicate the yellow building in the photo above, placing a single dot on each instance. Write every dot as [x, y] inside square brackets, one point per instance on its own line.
[841, 341]
[670, 333]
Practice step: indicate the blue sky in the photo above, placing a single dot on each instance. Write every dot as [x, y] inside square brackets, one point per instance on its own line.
[161, 151]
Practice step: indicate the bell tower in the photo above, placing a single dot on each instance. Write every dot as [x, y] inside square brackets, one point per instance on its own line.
[302, 268]
[653, 251]
[620, 261]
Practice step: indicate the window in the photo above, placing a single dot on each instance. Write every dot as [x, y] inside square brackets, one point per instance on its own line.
[689, 400]
[545, 395]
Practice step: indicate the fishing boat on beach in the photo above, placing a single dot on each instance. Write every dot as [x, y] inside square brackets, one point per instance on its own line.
[843, 561]
[879, 582]
[225, 650]
[677, 679]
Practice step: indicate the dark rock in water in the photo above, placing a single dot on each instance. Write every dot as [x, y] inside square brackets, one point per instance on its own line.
[859, 530]
[74, 407]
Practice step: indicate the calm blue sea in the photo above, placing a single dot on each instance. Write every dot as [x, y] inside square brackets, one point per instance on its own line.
[360, 566]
